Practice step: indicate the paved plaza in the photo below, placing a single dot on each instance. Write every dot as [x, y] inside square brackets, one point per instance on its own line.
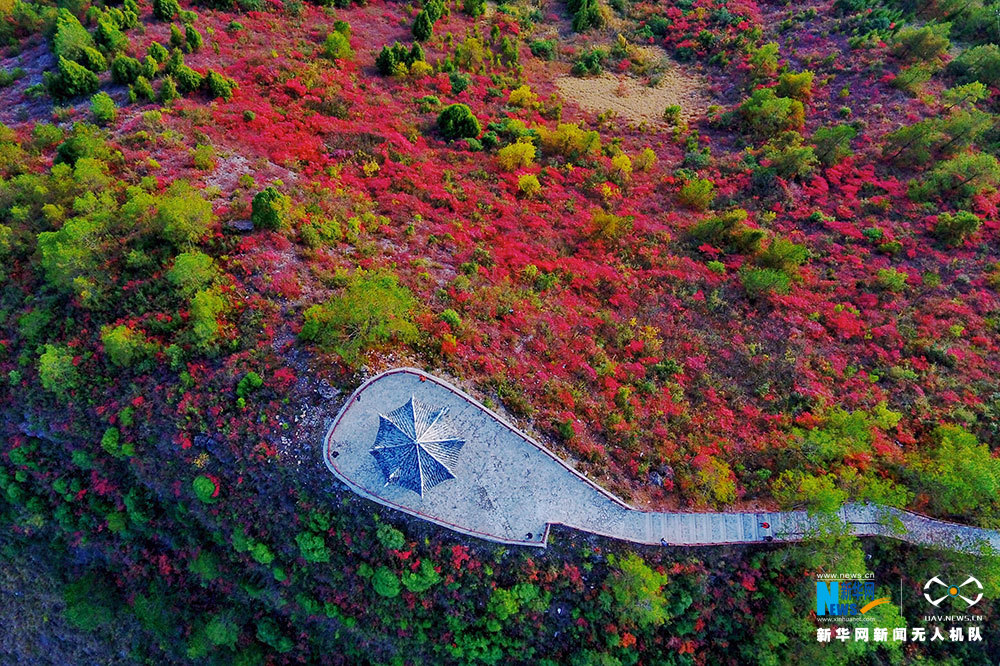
[413, 442]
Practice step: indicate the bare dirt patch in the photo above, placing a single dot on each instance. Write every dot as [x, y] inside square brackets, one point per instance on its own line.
[630, 98]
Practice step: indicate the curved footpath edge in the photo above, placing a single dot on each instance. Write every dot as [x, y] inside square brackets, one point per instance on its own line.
[509, 488]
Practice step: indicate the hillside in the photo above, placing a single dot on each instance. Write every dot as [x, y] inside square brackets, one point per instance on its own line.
[715, 255]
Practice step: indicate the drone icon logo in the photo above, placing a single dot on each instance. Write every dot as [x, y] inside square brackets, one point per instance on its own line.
[953, 591]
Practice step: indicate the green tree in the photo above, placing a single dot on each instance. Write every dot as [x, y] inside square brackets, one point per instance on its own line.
[70, 255]
[797, 85]
[979, 63]
[125, 70]
[422, 579]
[222, 630]
[833, 143]
[423, 26]
[70, 38]
[338, 47]
[165, 10]
[183, 214]
[765, 114]
[764, 61]
[206, 307]
[103, 108]
[795, 490]
[109, 38]
[958, 179]
[637, 592]
[71, 80]
[372, 309]
[926, 43]
[192, 271]
[57, 371]
[270, 209]
[959, 475]
[457, 122]
[313, 547]
[124, 345]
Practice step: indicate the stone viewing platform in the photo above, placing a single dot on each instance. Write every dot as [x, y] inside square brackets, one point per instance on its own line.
[415, 443]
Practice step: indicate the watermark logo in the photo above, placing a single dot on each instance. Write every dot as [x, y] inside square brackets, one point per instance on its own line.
[846, 598]
[952, 591]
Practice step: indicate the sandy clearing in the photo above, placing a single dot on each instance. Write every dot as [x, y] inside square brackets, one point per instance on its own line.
[630, 99]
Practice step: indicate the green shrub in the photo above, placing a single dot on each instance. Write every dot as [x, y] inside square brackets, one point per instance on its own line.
[71, 80]
[193, 38]
[218, 85]
[586, 14]
[125, 70]
[269, 634]
[541, 48]
[112, 444]
[892, 280]
[221, 629]
[103, 108]
[165, 10]
[474, 7]
[697, 194]
[158, 52]
[187, 79]
[168, 90]
[123, 345]
[954, 229]
[796, 85]
[385, 582]
[783, 255]
[729, 232]
[338, 47]
[766, 114]
[373, 309]
[248, 384]
[270, 209]
[457, 122]
[590, 62]
[390, 537]
[205, 489]
[760, 282]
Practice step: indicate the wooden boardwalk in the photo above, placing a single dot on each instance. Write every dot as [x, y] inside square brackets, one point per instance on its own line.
[510, 489]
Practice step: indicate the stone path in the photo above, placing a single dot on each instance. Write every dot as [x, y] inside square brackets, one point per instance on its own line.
[509, 488]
